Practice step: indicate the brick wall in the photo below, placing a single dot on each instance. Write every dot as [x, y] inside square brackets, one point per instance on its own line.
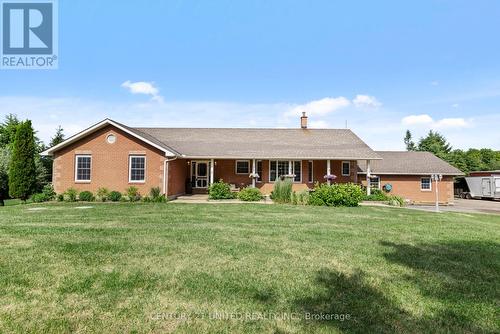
[110, 163]
[408, 186]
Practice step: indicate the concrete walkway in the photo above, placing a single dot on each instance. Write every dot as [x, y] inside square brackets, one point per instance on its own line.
[464, 205]
[203, 198]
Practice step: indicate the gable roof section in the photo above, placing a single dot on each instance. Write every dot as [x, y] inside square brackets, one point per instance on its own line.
[137, 134]
[233, 143]
[408, 163]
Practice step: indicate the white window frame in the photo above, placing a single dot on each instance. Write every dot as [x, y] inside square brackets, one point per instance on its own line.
[430, 183]
[76, 167]
[293, 169]
[236, 167]
[342, 168]
[378, 187]
[130, 168]
[311, 170]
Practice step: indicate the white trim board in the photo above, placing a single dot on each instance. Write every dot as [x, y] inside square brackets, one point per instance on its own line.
[98, 126]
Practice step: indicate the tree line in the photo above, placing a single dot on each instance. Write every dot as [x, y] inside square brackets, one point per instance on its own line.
[467, 161]
[23, 171]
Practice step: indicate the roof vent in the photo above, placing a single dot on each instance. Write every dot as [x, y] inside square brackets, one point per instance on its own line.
[303, 121]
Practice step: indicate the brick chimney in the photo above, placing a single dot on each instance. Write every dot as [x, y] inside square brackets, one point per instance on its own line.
[303, 121]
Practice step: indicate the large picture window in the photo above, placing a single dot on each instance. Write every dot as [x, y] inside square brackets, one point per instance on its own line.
[137, 166]
[242, 167]
[83, 168]
[278, 168]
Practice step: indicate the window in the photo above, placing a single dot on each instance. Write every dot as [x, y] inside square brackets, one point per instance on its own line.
[242, 167]
[259, 170]
[425, 184]
[111, 139]
[83, 167]
[137, 165]
[279, 168]
[375, 182]
[310, 172]
[346, 168]
[297, 170]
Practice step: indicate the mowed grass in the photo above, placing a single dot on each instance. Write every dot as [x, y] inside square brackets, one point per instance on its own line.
[121, 268]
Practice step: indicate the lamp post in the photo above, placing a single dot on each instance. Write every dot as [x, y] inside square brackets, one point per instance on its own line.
[437, 178]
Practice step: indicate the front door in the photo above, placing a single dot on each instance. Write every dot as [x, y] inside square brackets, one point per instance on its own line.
[199, 174]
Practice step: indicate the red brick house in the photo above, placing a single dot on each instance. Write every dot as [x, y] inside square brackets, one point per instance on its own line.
[180, 160]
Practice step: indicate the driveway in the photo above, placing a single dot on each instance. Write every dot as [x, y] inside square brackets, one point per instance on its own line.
[465, 205]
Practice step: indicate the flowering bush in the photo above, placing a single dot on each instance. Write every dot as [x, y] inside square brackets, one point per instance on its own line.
[220, 190]
[339, 194]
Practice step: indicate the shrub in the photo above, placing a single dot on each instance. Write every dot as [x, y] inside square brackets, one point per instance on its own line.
[282, 191]
[39, 198]
[146, 199]
[249, 194]
[220, 190]
[396, 200]
[102, 194]
[71, 195]
[115, 196]
[376, 195]
[156, 195]
[300, 197]
[338, 194]
[48, 191]
[86, 196]
[133, 194]
[60, 197]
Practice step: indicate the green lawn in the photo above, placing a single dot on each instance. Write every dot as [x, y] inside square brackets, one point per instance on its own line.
[176, 267]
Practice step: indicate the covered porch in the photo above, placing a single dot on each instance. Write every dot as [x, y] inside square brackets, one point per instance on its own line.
[261, 173]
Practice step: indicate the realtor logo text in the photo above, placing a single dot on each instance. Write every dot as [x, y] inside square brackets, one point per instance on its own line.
[29, 34]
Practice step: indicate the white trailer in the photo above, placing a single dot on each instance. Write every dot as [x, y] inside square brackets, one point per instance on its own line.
[483, 187]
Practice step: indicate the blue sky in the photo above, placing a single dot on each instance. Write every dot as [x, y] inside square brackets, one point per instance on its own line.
[382, 66]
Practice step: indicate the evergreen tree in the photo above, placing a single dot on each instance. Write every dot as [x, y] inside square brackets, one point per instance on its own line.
[22, 169]
[58, 137]
[4, 178]
[435, 143]
[8, 130]
[410, 145]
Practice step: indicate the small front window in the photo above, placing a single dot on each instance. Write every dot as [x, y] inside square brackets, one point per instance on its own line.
[375, 182]
[137, 169]
[242, 167]
[310, 171]
[83, 167]
[259, 170]
[346, 168]
[425, 184]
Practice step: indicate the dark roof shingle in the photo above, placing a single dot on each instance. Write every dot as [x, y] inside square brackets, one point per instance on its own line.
[262, 143]
[408, 163]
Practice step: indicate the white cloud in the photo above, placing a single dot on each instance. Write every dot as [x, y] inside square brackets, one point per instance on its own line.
[424, 119]
[417, 119]
[143, 87]
[366, 101]
[435, 83]
[319, 107]
[451, 123]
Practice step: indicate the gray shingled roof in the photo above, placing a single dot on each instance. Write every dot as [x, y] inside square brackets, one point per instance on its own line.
[408, 163]
[261, 143]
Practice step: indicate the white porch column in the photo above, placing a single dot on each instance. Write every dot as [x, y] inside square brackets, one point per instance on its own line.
[253, 173]
[368, 175]
[212, 171]
[290, 167]
[328, 170]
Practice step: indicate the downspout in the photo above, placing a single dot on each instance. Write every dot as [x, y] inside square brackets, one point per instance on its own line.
[165, 175]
